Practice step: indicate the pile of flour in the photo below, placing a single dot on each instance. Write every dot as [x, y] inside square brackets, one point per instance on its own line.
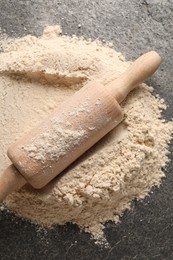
[36, 75]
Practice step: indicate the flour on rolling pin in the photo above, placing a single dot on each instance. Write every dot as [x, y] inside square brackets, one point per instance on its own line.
[104, 181]
[63, 134]
[64, 139]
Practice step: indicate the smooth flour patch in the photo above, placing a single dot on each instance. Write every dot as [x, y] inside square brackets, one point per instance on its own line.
[36, 75]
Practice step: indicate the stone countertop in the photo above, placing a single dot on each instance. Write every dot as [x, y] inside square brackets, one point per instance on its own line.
[134, 27]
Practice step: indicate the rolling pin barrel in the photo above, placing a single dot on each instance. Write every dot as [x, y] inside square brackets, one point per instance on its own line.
[72, 129]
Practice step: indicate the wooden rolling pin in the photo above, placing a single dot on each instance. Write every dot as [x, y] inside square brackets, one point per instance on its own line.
[75, 126]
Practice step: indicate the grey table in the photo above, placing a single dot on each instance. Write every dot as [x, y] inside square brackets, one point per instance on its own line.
[146, 231]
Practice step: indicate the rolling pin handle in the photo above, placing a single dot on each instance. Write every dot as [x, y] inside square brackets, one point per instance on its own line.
[11, 180]
[139, 71]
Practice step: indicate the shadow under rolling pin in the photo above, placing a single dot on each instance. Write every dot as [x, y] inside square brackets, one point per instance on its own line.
[75, 126]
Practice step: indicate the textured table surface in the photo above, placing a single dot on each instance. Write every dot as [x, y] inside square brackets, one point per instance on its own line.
[146, 231]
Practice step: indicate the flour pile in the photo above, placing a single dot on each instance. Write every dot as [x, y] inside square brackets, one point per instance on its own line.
[37, 74]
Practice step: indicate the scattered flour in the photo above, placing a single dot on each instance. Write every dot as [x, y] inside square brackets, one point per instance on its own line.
[37, 74]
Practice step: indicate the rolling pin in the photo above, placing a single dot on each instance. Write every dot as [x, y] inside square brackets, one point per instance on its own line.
[75, 126]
